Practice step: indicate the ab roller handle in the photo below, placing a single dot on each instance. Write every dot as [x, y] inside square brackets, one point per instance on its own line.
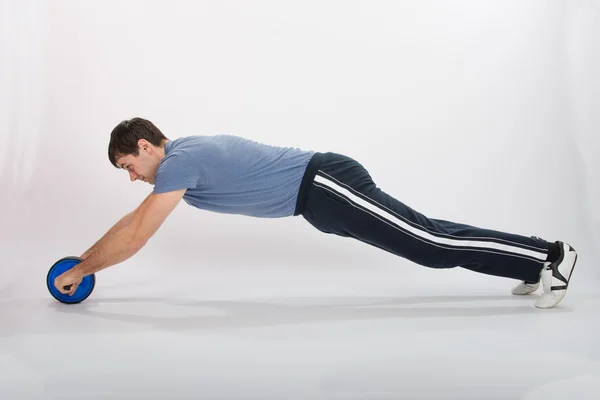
[84, 289]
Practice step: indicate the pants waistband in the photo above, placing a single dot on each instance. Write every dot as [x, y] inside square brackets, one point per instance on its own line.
[313, 165]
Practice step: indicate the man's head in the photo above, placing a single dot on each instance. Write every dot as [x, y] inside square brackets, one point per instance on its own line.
[137, 146]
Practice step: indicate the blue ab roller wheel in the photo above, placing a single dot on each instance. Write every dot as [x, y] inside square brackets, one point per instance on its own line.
[85, 287]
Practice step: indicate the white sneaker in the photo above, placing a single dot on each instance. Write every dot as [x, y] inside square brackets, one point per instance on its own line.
[555, 277]
[524, 288]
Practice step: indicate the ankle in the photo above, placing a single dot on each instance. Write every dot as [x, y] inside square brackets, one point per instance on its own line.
[553, 252]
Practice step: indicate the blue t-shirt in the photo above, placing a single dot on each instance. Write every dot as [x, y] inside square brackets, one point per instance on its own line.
[233, 175]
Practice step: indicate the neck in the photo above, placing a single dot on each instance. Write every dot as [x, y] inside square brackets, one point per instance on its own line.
[161, 150]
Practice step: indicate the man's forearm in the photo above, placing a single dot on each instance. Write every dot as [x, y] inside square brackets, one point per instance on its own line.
[117, 227]
[116, 248]
[123, 222]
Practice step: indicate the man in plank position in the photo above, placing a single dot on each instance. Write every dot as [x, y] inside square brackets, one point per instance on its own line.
[333, 192]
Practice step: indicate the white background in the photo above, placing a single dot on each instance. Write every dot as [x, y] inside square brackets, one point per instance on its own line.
[481, 112]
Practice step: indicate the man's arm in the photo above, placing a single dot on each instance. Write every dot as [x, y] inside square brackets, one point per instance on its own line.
[130, 238]
[123, 222]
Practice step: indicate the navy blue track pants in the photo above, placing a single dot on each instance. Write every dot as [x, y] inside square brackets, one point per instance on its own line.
[338, 196]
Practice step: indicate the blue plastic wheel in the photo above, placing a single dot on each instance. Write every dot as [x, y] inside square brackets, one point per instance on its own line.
[85, 287]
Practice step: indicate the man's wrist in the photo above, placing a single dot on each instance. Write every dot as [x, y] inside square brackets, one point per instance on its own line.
[80, 269]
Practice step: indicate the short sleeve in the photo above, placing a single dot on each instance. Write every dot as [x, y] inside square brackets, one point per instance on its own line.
[178, 171]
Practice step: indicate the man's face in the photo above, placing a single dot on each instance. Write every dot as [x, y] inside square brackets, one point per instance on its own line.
[143, 166]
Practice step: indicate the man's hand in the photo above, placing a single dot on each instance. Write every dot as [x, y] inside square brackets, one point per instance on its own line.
[71, 277]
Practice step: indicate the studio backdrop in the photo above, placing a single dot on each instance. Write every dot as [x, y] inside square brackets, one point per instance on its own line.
[481, 112]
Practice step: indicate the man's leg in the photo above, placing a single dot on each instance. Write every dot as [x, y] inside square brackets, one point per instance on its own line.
[344, 200]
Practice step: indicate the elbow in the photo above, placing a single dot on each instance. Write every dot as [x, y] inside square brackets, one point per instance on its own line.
[136, 244]
[135, 239]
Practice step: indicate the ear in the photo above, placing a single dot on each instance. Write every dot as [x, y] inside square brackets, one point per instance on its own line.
[144, 145]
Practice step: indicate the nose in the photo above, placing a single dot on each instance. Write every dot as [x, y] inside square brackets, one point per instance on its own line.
[132, 176]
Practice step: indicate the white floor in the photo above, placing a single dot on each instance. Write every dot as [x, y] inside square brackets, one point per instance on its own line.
[299, 333]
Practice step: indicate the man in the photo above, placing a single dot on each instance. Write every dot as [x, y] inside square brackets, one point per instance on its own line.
[333, 192]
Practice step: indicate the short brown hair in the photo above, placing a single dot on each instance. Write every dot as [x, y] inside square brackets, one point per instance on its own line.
[125, 136]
